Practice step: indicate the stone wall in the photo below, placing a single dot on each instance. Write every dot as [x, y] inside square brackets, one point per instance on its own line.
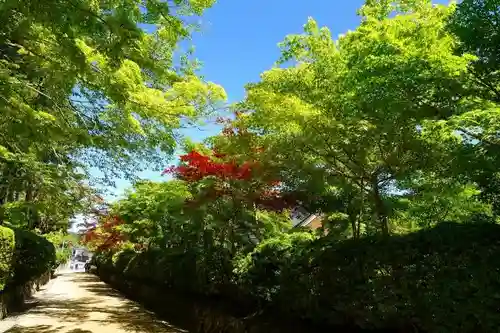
[13, 298]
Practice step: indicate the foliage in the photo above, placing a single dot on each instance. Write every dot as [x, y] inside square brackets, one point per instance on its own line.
[62, 256]
[200, 166]
[389, 133]
[433, 200]
[259, 272]
[85, 85]
[106, 236]
[416, 281]
[164, 268]
[7, 246]
[475, 23]
[33, 256]
[62, 243]
[361, 112]
[24, 256]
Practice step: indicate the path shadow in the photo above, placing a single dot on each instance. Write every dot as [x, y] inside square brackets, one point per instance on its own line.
[101, 289]
[38, 329]
[128, 315]
[81, 277]
[45, 329]
[138, 316]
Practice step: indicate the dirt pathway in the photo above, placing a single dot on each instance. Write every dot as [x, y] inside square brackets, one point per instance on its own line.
[80, 303]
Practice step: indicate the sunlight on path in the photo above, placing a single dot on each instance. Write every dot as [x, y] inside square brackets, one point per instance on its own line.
[80, 303]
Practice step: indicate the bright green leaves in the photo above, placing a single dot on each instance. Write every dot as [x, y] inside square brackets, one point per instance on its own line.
[476, 25]
[432, 200]
[369, 109]
[304, 48]
[406, 62]
[382, 9]
[91, 84]
[7, 247]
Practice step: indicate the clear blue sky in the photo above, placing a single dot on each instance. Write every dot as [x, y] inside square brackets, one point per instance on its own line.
[239, 37]
[239, 41]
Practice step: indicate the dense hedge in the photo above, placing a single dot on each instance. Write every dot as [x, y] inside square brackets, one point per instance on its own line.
[205, 273]
[7, 246]
[35, 256]
[445, 279]
[23, 256]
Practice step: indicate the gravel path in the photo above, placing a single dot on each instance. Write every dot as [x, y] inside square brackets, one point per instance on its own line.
[80, 303]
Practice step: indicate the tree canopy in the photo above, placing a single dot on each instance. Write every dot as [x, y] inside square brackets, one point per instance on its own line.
[90, 84]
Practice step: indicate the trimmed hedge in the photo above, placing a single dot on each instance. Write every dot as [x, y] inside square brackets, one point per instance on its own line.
[445, 279]
[7, 246]
[34, 256]
[203, 273]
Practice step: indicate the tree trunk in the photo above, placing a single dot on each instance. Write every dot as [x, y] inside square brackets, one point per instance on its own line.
[29, 200]
[380, 209]
[352, 219]
[2, 214]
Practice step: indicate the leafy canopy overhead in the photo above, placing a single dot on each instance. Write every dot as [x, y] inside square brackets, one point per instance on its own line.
[363, 111]
[87, 83]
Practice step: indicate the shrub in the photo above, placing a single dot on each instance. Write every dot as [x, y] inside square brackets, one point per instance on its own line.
[444, 279]
[63, 252]
[34, 256]
[121, 259]
[441, 280]
[7, 246]
[62, 256]
[260, 272]
[163, 268]
[190, 271]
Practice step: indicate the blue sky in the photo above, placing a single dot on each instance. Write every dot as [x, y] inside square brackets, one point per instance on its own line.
[239, 38]
[238, 41]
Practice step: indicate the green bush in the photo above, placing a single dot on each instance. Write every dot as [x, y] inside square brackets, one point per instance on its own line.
[161, 267]
[446, 279]
[7, 246]
[62, 256]
[34, 256]
[259, 273]
[63, 252]
[122, 259]
[187, 271]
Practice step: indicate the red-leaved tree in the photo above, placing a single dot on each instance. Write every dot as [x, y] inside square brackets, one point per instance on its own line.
[105, 236]
[245, 181]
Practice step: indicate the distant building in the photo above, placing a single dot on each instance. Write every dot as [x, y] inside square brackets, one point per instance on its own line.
[81, 254]
[302, 218]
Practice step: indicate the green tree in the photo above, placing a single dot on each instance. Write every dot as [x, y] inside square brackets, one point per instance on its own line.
[92, 84]
[475, 24]
[363, 109]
